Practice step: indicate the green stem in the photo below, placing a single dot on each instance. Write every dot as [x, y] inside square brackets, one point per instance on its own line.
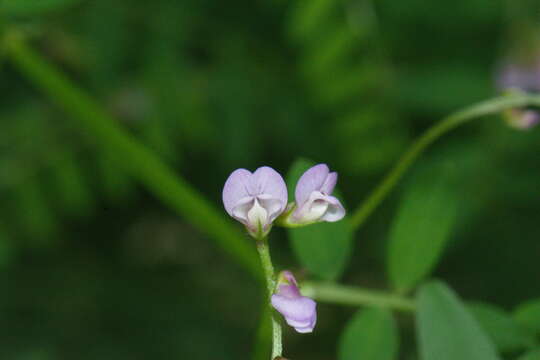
[355, 296]
[449, 123]
[130, 154]
[270, 276]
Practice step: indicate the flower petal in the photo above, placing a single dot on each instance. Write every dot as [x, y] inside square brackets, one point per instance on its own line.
[266, 180]
[319, 207]
[241, 209]
[335, 210]
[312, 180]
[272, 205]
[329, 184]
[299, 312]
[257, 216]
[235, 189]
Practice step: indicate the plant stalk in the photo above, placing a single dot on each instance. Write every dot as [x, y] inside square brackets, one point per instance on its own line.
[270, 276]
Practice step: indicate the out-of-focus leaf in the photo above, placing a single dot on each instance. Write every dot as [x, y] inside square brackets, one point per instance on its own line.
[33, 210]
[70, 185]
[323, 248]
[422, 227]
[34, 7]
[505, 332]
[446, 330]
[528, 314]
[370, 335]
[6, 247]
[116, 182]
[531, 355]
[307, 17]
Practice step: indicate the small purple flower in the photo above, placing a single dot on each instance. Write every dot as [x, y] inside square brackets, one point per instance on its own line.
[255, 199]
[519, 75]
[299, 311]
[313, 197]
[522, 119]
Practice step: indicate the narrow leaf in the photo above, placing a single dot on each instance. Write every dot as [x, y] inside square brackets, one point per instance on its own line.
[422, 227]
[322, 248]
[446, 330]
[370, 335]
[504, 331]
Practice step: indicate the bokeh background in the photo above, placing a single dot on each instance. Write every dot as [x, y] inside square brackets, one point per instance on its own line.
[92, 266]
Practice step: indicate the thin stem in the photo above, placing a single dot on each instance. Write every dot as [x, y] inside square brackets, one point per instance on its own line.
[270, 276]
[449, 123]
[355, 296]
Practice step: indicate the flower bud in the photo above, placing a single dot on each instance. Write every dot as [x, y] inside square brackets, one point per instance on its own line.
[299, 311]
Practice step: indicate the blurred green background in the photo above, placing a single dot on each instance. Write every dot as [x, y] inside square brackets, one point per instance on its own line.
[92, 266]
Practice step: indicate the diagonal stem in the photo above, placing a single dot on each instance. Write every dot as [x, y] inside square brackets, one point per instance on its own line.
[135, 158]
[489, 107]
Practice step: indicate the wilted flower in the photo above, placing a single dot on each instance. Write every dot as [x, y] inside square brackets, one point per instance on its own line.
[255, 199]
[313, 197]
[299, 311]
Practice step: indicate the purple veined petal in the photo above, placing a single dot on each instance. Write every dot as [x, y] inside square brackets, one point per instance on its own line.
[266, 180]
[235, 189]
[335, 210]
[312, 180]
[289, 291]
[329, 184]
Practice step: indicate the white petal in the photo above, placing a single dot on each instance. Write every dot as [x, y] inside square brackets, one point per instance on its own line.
[257, 216]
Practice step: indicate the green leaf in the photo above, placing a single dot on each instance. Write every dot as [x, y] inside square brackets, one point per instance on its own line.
[422, 227]
[504, 331]
[531, 355]
[446, 330]
[370, 335]
[322, 248]
[528, 315]
[33, 7]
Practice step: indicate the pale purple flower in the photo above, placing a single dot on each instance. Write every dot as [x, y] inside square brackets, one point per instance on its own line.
[299, 311]
[255, 199]
[522, 119]
[313, 197]
[522, 76]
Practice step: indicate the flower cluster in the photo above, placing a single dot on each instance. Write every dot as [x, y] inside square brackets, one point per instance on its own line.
[257, 199]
